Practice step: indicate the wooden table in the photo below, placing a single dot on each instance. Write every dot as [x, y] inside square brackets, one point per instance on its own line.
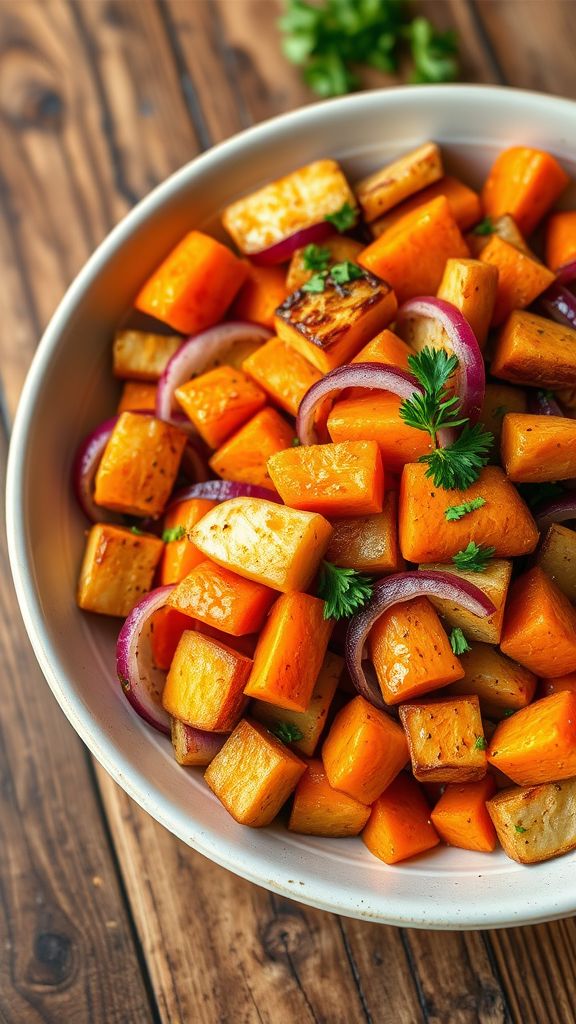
[105, 917]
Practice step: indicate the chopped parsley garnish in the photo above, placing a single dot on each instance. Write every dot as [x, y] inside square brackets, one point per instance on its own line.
[136, 530]
[344, 218]
[485, 227]
[316, 283]
[474, 557]
[481, 743]
[456, 512]
[316, 257]
[520, 829]
[287, 732]
[458, 641]
[173, 533]
[342, 273]
[345, 591]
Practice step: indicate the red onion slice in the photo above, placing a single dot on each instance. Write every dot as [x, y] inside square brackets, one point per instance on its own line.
[142, 683]
[283, 250]
[470, 375]
[194, 464]
[393, 590]
[84, 468]
[567, 272]
[559, 304]
[541, 404]
[194, 356]
[205, 745]
[223, 490]
[560, 510]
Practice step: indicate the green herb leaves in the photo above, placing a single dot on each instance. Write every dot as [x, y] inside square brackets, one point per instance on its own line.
[458, 641]
[485, 227]
[345, 591]
[344, 218]
[173, 533]
[316, 283]
[316, 257]
[458, 466]
[339, 274]
[287, 732]
[136, 530]
[481, 743]
[456, 512]
[473, 558]
[520, 829]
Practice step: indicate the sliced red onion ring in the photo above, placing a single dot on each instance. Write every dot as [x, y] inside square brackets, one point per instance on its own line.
[541, 404]
[376, 376]
[470, 375]
[194, 464]
[205, 745]
[567, 272]
[560, 510]
[393, 590]
[222, 490]
[141, 681]
[193, 357]
[84, 468]
[559, 304]
[283, 250]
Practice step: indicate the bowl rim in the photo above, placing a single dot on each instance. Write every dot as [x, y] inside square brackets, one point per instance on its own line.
[551, 905]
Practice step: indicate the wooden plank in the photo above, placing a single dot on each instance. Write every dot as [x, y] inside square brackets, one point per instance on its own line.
[537, 967]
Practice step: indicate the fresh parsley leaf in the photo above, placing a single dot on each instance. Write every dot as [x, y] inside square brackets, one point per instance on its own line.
[173, 533]
[481, 743]
[474, 557]
[296, 442]
[287, 732]
[344, 218]
[316, 257]
[436, 408]
[342, 273]
[485, 227]
[345, 591]
[434, 53]
[456, 512]
[520, 829]
[458, 641]
[316, 283]
[136, 530]
[458, 466]
[433, 368]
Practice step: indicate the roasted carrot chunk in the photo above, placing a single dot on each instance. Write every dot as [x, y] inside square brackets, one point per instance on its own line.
[464, 203]
[263, 290]
[412, 254]
[333, 479]
[194, 747]
[375, 417]
[500, 684]
[282, 373]
[290, 652]
[540, 625]
[567, 682]
[304, 726]
[399, 826]
[411, 652]
[137, 395]
[561, 239]
[538, 743]
[254, 774]
[364, 751]
[139, 465]
[140, 355]
[386, 348]
[244, 456]
[557, 557]
[320, 810]
[117, 569]
[166, 629]
[534, 351]
[398, 180]
[446, 739]
[538, 448]
[425, 536]
[368, 543]
[181, 555]
[194, 285]
[520, 277]
[205, 683]
[220, 401]
[461, 819]
[494, 582]
[222, 599]
[339, 248]
[525, 183]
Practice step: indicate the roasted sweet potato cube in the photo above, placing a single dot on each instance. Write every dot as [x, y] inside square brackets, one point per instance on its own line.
[557, 557]
[305, 726]
[368, 543]
[139, 465]
[117, 569]
[538, 743]
[205, 683]
[560, 239]
[282, 373]
[399, 826]
[254, 774]
[540, 625]
[524, 182]
[521, 277]
[339, 248]
[375, 417]
[535, 351]
[363, 751]
[333, 479]
[222, 599]
[501, 685]
[446, 739]
[166, 628]
[460, 816]
[195, 747]
[536, 823]
[538, 448]
[180, 554]
[398, 180]
[244, 456]
[329, 327]
[263, 290]
[140, 355]
[494, 582]
[320, 810]
[411, 652]
[464, 205]
[219, 402]
[137, 396]
[500, 399]
[385, 348]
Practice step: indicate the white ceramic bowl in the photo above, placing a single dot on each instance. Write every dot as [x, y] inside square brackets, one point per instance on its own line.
[69, 389]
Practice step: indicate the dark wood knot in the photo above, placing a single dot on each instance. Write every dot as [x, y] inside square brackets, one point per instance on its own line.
[286, 936]
[53, 953]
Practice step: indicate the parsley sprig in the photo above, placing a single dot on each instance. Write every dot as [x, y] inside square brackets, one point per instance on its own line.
[458, 641]
[339, 274]
[481, 743]
[474, 557]
[485, 227]
[173, 533]
[316, 257]
[344, 218]
[456, 512]
[287, 732]
[344, 591]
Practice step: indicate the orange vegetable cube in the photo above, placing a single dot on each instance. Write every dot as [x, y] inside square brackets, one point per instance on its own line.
[166, 628]
[412, 254]
[557, 557]
[340, 249]
[139, 465]
[290, 652]
[363, 751]
[399, 826]
[181, 555]
[319, 810]
[222, 599]
[220, 401]
[500, 684]
[461, 819]
[446, 739]
[386, 348]
[504, 227]
[540, 625]
[535, 351]
[244, 456]
[498, 400]
[368, 543]
[333, 479]
[205, 683]
[141, 355]
[194, 285]
[282, 373]
[538, 448]
[520, 277]
[561, 239]
[193, 747]
[464, 203]
[524, 182]
[538, 743]
[137, 396]
[263, 290]
[398, 180]
[374, 416]
[310, 723]
[117, 569]
[254, 774]
[411, 652]
[494, 582]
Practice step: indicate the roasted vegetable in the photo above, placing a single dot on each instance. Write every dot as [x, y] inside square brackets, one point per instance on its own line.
[364, 751]
[244, 456]
[446, 739]
[389, 186]
[557, 557]
[301, 730]
[333, 479]
[314, 258]
[180, 554]
[464, 204]
[117, 569]
[494, 581]
[540, 625]
[460, 816]
[222, 599]
[525, 183]
[219, 402]
[320, 810]
[561, 239]
[521, 278]
[282, 373]
[192, 747]
[263, 290]
[205, 683]
[376, 417]
[538, 743]
[137, 396]
[535, 823]
[501, 685]
[534, 351]
[368, 543]
[538, 448]
[399, 826]
[140, 355]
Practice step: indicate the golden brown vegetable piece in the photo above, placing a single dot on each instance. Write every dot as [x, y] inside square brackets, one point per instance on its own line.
[319, 810]
[500, 684]
[469, 285]
[567, 682]
[494, 582]
[310, 723]
[282, 373]
[244, 456]
[521, 278]
[180, 555]
[137, 396]
[399, 826]
[498, 400]
[389, 186]
[460, 816]
[386, 348]
[219, 402]
[504, 227]
[540, 625]
[254, 774]
[538, 743]
[446, 739]
[330, 326]
[205, 683]
[364, 751]
[139, 465]
[140, 355]
[190, 748]
[263, 541]
[339, 248]
[561, 239]
[117, 569]
[411, 652]
[334, 479]
[464, 204]
[535, 823]
[222, 599]
[538, 448]
[368, 543]
[375, 417]
[524, 182]
[534, 351]
[557, 557]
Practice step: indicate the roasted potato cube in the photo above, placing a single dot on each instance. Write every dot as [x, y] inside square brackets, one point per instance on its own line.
[194, 747]
[469, 285]
[137, 396]
[557, 557]
[139, 465]
[320, 810]
[368, 543]
[501, 685]
[536, 823]
[117, 569]
[506, 228]
[494, 582]
[392, 184]
[535, 351]
[331, 326]
[303, 198]
[205, 683]
[446, 739]
[308, 725]
[140, 355]
[339, 249]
